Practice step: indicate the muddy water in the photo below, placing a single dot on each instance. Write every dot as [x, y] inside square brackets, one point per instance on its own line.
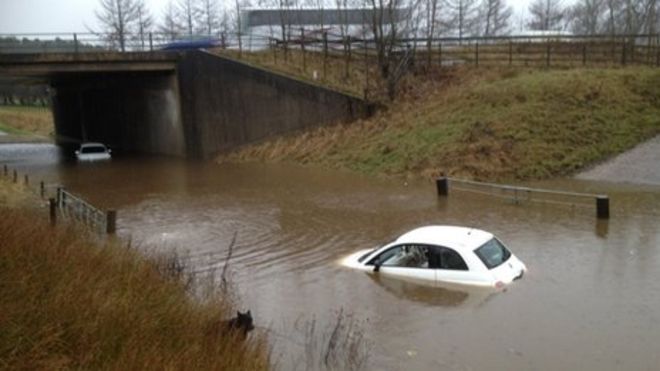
[591, 299]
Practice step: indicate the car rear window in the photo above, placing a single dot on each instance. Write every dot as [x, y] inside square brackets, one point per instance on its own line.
[93, 149]
[493, 253]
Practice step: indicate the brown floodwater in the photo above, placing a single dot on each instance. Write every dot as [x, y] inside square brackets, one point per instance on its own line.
[590, 301]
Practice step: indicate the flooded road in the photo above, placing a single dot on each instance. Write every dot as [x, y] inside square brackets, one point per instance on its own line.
[590, 301]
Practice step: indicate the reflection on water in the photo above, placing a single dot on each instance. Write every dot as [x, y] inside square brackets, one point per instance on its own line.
[589, 300]
[432, 295]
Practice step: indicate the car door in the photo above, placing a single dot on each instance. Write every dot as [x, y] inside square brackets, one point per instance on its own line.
[406, 261]
[450, 266]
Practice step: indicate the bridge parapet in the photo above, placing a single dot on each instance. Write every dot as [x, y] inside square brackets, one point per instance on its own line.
[47, 64]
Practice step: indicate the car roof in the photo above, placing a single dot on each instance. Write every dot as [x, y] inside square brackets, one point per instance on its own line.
[462, 239]
[92, 144]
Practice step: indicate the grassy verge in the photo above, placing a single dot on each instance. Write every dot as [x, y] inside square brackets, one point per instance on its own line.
[310, 67]
[489, 124]
[19, 120]
[68, 301]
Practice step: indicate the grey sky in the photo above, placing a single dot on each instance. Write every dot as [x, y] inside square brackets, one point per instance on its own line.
[25, 16]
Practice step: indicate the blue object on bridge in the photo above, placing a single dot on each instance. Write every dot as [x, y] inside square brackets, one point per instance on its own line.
[191, 45]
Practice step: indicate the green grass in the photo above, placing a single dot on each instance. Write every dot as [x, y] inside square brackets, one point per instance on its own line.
[10, 129]
[489, 124]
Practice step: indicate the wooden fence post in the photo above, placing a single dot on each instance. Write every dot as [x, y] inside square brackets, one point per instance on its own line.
[442, 184]
[325, 54]
[111, 222]
[547, 56]
[302, 48]
[603, 207]
[510, 52]
[15, 176]
[274, 46]
[623, 53]
[58, 195]
[476, 53]
[42, 189]
[75, 43]
[52, 203]
[366, 70]
[346, 56]
[151, 42]
[4, 170]
[440, 53]
[27, 180]
[584, 54]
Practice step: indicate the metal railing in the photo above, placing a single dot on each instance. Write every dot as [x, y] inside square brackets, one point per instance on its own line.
[67, 205]
[86, 42]
[518, 194]
[74, 207]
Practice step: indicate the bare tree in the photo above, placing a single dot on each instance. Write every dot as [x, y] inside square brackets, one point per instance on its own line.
[209, 17]
[587, 17]
[187, 12]
[612, 9]
[145, 22]
[547, 15]
[463, 16]
[495, 17]
[117, 17]
[431, 7]
[386, 30]
[239, 27]
[170, 26]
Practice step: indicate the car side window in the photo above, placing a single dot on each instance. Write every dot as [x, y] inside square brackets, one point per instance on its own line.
[410, 256]
[445, 258]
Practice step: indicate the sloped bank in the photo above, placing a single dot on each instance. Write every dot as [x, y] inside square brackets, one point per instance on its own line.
[496, 124]
[70, 302]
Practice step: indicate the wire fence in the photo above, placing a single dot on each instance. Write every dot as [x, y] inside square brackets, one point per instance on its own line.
[74, 207]
[545, 50]
[66, 205]
[353, 62]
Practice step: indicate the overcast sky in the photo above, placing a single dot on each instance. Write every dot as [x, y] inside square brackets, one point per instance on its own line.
[30, 16]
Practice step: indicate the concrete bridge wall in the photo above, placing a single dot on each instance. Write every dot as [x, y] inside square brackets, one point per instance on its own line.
[226, 103]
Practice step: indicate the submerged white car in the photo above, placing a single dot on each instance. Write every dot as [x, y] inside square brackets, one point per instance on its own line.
[93, 152]
[443, 254]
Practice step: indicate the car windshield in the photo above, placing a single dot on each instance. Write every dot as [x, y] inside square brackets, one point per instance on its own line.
[493, 253]
[93, 149]
[365, 255]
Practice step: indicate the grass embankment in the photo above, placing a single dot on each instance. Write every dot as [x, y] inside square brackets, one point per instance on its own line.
[488, 124]
[349, 78]
[70, 302]
[23, 120]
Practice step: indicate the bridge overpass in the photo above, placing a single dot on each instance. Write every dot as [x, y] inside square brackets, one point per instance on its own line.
[189, 104]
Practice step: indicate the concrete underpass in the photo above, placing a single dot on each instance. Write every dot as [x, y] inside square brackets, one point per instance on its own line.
[192, 104]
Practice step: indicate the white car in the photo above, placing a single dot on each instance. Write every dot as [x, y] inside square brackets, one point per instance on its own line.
[93, 152]
[443, 254]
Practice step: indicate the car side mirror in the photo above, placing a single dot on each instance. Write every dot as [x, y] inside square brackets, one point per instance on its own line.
[377, 265]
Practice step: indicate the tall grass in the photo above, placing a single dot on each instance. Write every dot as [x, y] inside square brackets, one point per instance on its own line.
[70, 302]
[26, 120]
